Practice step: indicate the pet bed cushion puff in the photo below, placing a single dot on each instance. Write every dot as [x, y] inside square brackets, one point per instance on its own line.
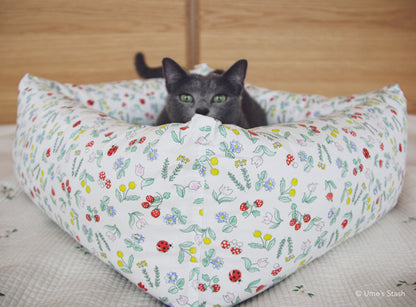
[201, 212]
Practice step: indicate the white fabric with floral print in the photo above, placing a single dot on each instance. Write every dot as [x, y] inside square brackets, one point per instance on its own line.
[200, 212]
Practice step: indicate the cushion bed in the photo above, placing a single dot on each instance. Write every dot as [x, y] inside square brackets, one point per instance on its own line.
[204, 212]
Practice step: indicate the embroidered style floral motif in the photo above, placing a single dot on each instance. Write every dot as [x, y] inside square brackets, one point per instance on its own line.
[202, 213]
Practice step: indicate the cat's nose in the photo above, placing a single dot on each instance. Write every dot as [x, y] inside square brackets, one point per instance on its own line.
[202, 111]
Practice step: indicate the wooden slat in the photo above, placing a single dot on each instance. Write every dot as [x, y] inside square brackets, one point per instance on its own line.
[192, 33]
[325, 47]
[83, 41]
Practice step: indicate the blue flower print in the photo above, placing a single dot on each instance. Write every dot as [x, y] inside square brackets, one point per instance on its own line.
[217, 263]
[111, 211]
[84, 229]
[236, 147]
[331, 213]
[170, 219]
[171, 277]
[269, 184]
[302, 156]
[138, 238]
[119, 163]
[221, 217]
[152, 155]
[353, 146]
[339, 163]
[203, 171]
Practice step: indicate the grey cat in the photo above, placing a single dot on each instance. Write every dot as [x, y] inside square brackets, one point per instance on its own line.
[220, 95]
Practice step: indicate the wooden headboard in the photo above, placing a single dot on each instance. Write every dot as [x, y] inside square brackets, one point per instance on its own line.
[328, 47]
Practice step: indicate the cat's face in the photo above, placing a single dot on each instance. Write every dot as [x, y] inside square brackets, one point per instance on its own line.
[214, 95]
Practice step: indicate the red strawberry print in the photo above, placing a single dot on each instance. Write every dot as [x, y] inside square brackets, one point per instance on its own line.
[150, 198]
[258, 203]
[88, 217]
[141, 286]
[260, 288]
[142, 140]
[90, 102]
[243, 207]
[216, 287]
[145, 204]
[297, 227]
[330, 196]
[76, 124]
[97, 218]
[155, 213]
[306, 218]
[344, 223]
[366, 153]
[201, 287]
[354, 171]
[48, 153]
[293, 222]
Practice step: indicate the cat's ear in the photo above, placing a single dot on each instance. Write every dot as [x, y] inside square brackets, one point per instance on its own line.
[172, 72]
[237, 73]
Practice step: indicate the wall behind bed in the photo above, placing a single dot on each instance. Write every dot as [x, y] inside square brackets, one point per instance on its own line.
[329, 47]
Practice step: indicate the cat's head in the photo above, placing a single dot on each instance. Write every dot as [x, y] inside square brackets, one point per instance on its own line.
[215, 95]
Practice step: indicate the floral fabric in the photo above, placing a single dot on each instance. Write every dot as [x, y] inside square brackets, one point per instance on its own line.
[203, 213]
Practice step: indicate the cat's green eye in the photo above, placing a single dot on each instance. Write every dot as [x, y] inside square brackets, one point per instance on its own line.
[219, 98]
[186, 98]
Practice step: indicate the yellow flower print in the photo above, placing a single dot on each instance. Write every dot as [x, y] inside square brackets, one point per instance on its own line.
[267, 242]
[214, 171]
[257, 234]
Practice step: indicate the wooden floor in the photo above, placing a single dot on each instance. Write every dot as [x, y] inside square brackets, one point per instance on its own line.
[321, 46]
